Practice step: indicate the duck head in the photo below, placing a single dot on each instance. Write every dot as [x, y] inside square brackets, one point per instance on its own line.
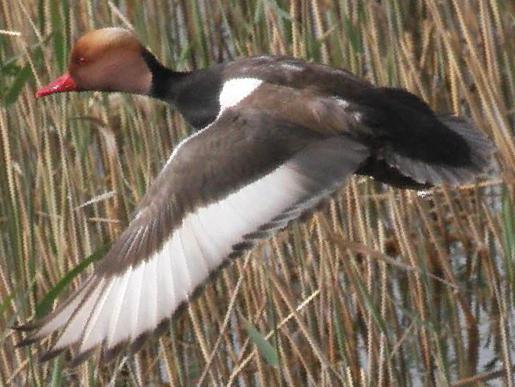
[108, 59]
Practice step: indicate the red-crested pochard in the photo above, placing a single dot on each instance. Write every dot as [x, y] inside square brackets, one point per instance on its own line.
[274, 137]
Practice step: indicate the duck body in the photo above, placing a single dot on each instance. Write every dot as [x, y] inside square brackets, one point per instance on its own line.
[273, 138]
[390, 121]
[196, 94]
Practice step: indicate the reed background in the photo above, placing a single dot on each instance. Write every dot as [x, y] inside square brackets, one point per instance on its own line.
[383, 287]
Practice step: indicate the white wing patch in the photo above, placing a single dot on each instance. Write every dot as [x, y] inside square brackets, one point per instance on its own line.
[233, 92]
[121, 308]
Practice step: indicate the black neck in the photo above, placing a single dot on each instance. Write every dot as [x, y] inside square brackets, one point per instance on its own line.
[166, 83]
[194, 93]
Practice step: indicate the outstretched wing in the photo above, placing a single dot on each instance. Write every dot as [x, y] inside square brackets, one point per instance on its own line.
[237, 181]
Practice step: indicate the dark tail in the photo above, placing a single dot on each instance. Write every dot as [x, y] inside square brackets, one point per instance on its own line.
[416, 148]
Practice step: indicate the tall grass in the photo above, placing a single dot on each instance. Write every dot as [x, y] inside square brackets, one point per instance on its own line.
[382, 287]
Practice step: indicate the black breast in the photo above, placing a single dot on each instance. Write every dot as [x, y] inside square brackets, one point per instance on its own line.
[198, 96]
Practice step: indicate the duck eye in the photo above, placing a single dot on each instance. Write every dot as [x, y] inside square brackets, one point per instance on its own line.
[81, 60]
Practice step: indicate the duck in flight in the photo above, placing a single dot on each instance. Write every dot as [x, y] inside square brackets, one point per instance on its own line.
[273, 137]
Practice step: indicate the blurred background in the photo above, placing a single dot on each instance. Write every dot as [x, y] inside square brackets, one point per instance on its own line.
[382, 287]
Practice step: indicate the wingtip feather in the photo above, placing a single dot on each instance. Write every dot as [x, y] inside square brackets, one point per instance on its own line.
[26, 341]
[80, 358]
[136, 345]
[27, 327]
[107, 355]
[50, 354]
